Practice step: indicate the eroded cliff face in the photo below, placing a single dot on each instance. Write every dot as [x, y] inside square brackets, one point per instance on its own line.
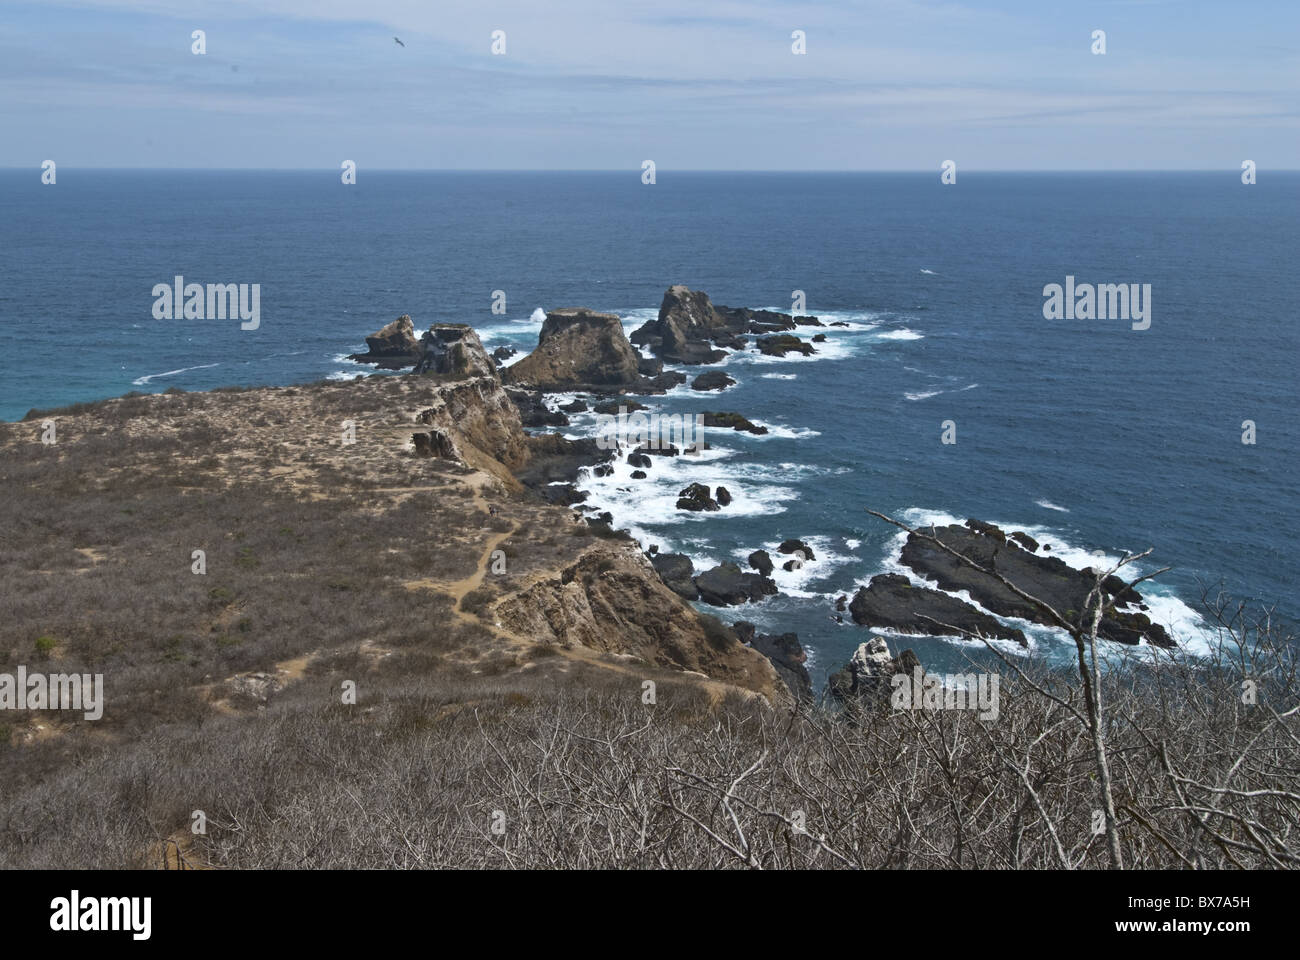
[480, 413]
[610, 600]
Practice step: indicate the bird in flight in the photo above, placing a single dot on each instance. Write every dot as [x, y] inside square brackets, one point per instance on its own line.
[398, 42]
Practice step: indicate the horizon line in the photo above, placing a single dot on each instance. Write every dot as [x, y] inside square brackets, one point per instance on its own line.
[637, 170]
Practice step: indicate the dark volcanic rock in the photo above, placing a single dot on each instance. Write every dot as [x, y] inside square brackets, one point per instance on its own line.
[676, 571]
[696, 497]
[638, 474]
[761, 561]
[392, 347]
[503, 353]
[686, 324]
[819, 338]
[713, 380]
[638, 460]
[565, 494]
[785, 652]
[726, 584]
[690, 328]
[555, 459]
[643, 451]
[790, 546]
[782, 344]
[622, 404]
[1025, 540]
[576, 406]
[892, 602]
[723, 496]
[1049, 579]
[533, 411]
[732, 421]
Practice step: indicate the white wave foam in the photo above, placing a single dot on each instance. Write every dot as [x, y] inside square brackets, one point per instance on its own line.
[537, 316]
[783, 432]
[922, 395]
[794, 583]
[1051, 506]
[901, 334]
[780, 376]
[931, 272]
[141, 381]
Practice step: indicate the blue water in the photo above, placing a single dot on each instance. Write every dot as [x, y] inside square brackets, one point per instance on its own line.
[1094, 436]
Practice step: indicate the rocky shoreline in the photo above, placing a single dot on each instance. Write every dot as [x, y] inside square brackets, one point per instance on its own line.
[584, 352]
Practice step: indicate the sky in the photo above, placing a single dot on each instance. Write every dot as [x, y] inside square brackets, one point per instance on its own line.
[689, 84]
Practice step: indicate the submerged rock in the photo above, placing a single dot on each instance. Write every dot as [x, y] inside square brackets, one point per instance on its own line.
[732, 421]
[782, 344]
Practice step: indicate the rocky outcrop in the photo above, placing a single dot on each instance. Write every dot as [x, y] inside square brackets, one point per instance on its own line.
[677, 572]
[478, 411]
[1025, 540]
[782, 344]
[867, 681]
[793, 546]
[1049, 579]
[732, 421]
[556, 459]
[761, 561]
[696, 497]
[533, 411]
[455, 351]
[690, 327]
[578, 348]
[713, 380]
[787, 656]
[726, 585]
[392, 347]
[892, 602]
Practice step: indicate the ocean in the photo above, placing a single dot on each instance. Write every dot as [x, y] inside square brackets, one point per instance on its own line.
[1086, 433]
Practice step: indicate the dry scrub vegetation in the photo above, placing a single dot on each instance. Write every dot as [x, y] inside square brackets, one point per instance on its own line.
[224, 689]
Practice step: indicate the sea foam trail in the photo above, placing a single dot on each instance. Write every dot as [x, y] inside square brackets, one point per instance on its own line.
[141, 381]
